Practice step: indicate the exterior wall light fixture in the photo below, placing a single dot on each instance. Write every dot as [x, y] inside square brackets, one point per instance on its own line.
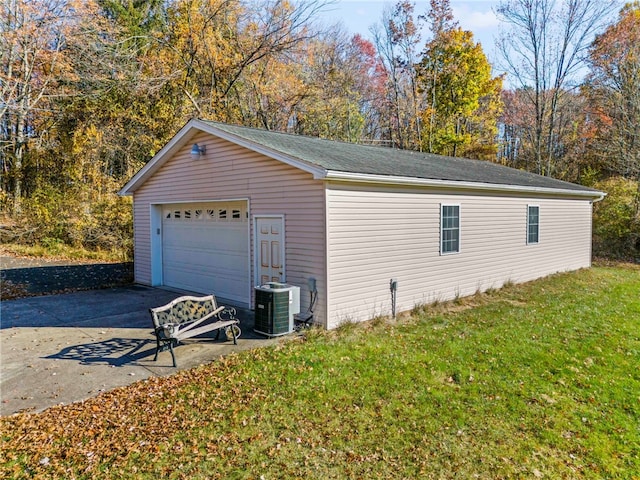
[197, 151]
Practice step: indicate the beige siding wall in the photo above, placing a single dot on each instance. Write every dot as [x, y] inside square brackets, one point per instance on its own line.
[378, 233]
[228, 171]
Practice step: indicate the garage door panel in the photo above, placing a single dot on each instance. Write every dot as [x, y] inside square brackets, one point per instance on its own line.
[207, 253]
[226, 268]
[222, 286]
[223, 237]
[230, 274]
[211, 262]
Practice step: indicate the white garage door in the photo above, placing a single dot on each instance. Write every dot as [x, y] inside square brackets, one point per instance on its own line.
[205, 249]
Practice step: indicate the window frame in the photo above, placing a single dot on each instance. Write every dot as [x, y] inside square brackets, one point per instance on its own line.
[458, 228]
[530, 225]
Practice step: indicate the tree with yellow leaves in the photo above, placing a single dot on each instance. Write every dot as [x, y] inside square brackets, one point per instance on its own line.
[462, 99]
[35, 70]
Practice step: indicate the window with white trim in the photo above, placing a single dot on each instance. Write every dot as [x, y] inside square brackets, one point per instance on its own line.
[449, 229]
[533, 224]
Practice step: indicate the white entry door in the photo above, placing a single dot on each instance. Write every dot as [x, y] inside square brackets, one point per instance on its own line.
[269, 236]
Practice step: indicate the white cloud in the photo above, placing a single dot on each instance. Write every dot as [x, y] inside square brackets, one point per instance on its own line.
[474, 19]
[482, 20]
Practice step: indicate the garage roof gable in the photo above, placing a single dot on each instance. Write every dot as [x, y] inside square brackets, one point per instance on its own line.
[335, 160]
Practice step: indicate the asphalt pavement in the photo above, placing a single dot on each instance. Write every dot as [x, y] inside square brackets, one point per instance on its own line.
[64, 348]
[36, 276]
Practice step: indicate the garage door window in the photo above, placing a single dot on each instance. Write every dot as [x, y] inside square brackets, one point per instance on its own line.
[207, 215]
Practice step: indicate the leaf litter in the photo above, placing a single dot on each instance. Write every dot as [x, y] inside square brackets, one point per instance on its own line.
[137, 420]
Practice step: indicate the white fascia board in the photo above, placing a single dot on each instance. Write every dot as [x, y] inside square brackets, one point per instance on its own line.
[426, 182]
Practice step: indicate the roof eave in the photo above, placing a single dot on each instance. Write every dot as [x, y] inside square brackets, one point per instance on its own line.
[478, 186]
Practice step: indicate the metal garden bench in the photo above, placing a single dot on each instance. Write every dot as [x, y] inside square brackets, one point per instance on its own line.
[187, 317]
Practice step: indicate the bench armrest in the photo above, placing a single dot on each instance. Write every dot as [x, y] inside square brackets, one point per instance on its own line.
[169, 329]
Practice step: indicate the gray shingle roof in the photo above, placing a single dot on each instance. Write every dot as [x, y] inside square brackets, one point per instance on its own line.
[364, 159]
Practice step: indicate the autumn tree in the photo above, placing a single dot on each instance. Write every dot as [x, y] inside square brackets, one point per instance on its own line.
[272, 90]
[462, 99]
[128, 109]
[331, 108]
[397, 41]
[441, 21]
[543, 50]
[210, 45]
[57, 57]
[573, 142]
[613, 91]
[370, 78]
[613, 86]
[345, 83]
[35, 70]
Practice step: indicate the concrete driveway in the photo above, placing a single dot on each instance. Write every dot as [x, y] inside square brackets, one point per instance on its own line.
[60, 349]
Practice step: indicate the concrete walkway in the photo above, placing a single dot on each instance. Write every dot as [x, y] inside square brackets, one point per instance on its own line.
[60, 349]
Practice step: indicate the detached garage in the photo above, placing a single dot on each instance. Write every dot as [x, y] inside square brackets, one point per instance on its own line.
[223, 208]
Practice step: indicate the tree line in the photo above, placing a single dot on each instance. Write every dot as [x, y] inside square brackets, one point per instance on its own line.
[91, 89]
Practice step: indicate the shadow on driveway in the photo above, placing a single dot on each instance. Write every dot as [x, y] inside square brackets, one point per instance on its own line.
[116, 352]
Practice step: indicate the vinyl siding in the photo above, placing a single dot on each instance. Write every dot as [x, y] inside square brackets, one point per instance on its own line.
[226, 172]
[378, 233]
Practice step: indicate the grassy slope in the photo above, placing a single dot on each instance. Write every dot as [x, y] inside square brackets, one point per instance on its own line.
[534, 381]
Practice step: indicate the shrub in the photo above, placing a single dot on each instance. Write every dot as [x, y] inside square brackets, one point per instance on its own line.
[107, 225]
[52, 219]
[45, 216]
[616, 219]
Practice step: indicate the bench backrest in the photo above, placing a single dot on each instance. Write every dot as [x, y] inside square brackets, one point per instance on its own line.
[183, 309]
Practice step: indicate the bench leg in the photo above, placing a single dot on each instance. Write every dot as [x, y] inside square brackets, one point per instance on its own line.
[157, 347]
[173, 355]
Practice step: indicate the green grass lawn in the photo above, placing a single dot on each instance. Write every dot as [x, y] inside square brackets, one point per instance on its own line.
[534, 381]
